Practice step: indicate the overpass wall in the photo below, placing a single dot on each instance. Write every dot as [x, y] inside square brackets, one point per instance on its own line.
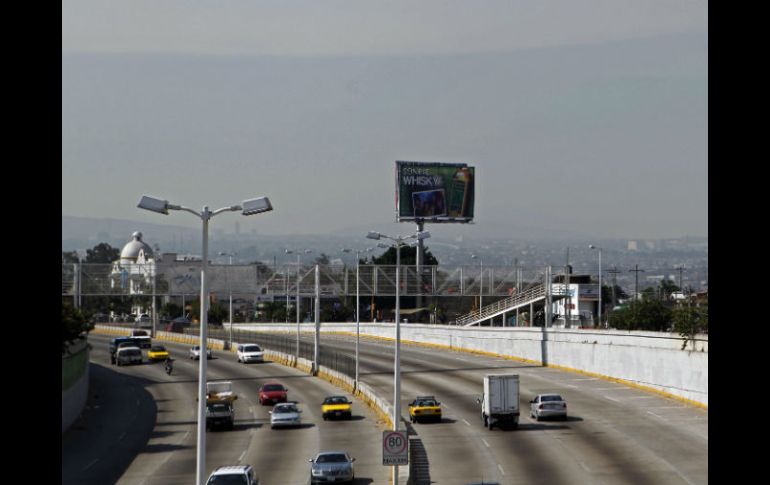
[649, 360]
[74, 393]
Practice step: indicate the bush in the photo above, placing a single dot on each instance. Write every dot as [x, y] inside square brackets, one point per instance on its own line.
[74, 324]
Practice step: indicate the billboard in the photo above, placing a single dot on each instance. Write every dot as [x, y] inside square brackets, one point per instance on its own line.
[434, 192]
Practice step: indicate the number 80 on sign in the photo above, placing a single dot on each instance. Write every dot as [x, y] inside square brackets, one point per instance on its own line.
[395, 448]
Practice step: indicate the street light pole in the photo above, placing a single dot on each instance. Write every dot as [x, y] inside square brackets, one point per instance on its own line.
[599, 313]
[296, 304]
[399, 240]
[248, 207]
[230, 290]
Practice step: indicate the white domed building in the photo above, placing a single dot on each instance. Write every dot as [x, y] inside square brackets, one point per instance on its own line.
[134, 272]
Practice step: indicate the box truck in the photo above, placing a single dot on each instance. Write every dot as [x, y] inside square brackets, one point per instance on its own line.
[500, 402]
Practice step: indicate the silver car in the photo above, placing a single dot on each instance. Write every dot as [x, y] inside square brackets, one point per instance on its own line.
[285, 414]
[195, 352]
[548, 406]
[332, 467]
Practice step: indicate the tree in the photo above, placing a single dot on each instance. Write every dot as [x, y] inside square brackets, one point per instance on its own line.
[102, 253]
[667, 287]
[408, 257]
[74, 324]
[645, 314]
[689, 321]
[216, 314]
[70, 257]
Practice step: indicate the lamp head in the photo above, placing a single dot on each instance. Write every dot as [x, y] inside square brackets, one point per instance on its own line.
[153, 204]
[423, 235]
[256, 206]
[373, 235]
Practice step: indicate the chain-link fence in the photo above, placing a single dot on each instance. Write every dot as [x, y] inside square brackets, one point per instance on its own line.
[183, 278]
[333, 359]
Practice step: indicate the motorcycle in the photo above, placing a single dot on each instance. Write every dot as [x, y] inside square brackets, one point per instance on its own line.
[169, 366]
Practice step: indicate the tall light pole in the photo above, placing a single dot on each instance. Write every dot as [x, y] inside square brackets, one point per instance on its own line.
[358, 304]
[230, 290]
[599, 313]
[399, 241]
[481, 279]
[296, 304]
[247, 208]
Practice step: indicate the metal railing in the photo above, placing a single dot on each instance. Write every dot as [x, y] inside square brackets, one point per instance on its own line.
[527, 296]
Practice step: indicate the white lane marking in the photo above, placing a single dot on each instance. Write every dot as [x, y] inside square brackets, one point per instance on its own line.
[485, 442]
[466, 422]
[584, 466]
[656, 415]
[611, 389]
[240, 458]
[586, 379]
[500, 467]
[642, 397]
[573, 386]
[90, 464]
[611, 399]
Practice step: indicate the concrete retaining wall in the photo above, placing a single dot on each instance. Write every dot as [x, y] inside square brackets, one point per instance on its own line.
[74, 398]
[653, 361]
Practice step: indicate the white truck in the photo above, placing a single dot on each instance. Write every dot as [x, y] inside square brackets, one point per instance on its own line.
[500, 402]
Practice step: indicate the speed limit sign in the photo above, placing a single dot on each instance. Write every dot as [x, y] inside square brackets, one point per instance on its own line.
[395, 448]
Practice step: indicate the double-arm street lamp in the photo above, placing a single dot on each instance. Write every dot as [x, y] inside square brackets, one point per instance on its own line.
[296, 303]
[399, 242]
[599, 313]
[247, 208]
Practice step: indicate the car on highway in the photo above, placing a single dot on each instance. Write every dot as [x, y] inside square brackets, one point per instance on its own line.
[128, 355]
[332, 466]
[424, 408]
[336, 407]
[233, 475]
[285, 414]
[157, 352]
[114, 346]
[143, 320]
[548, 406]
[250, 353]
[272, 392]
[195, 352]
[220, 414]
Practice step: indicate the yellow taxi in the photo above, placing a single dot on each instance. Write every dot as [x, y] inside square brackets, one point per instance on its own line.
[424, 408]
[336, 407]
[157, 352]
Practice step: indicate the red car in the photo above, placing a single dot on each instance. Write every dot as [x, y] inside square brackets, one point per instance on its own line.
[272, 392]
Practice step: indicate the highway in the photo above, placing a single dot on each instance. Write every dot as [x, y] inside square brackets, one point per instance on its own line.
[614, 434]
[144, 431]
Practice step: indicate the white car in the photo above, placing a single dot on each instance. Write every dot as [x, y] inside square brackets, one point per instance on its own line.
[250, 353]
[234, 474]
[195, 352]
[548, 406]
[128, 355]
[285, 414]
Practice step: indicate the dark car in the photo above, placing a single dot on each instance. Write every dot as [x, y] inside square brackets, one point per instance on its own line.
[272, 392]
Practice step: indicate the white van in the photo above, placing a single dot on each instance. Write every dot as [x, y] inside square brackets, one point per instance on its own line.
[128, 355]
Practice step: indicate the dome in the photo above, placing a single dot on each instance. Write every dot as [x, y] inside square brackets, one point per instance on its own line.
[131, 250]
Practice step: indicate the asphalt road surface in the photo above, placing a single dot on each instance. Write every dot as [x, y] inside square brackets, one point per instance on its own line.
[614, 434]
[140, 425]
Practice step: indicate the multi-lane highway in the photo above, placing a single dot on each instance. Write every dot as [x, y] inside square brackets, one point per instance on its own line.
[614, 434]
[144, 430]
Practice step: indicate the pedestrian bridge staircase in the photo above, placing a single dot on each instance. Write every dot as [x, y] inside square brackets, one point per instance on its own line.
[526, 298]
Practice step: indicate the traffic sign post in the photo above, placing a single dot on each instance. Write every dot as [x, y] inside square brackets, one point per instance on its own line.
[395, 448]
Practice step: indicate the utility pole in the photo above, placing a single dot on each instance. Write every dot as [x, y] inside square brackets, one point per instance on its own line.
[636, 287]
[614, 271]
[680, 268]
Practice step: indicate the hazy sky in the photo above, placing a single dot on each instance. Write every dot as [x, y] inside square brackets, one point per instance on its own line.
[587, 116]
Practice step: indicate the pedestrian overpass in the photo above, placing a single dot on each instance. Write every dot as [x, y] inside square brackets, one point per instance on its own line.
[526, 299]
